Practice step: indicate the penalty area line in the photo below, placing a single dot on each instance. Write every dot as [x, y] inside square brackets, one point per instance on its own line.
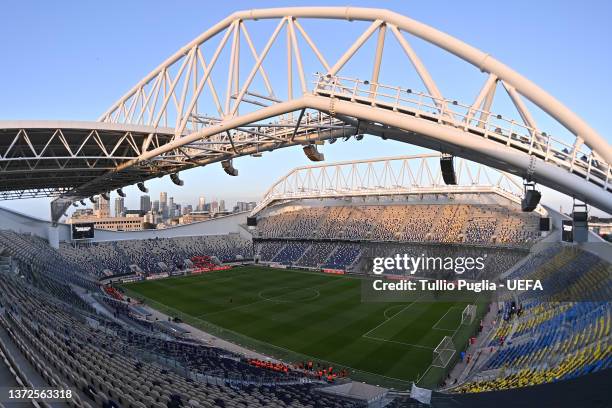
[443, 316]
[396, 342]
[387, 319]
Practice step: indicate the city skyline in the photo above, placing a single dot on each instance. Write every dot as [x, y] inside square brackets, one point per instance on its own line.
[120, 207]
[159, 214]
[137, 200]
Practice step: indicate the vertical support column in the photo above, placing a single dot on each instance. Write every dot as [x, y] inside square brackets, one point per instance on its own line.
[58, 208]
[580, 216]
[380, 44]
[289, 70]
[53, 235]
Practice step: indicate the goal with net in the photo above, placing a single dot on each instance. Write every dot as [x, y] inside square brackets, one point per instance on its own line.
[444, 352]
[468, 315]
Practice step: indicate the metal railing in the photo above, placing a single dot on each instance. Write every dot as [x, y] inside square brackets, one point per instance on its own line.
[575, 158]
[282, 130]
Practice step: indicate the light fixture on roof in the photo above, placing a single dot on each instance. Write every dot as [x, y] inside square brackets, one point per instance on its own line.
[532, 197]
[229, 168]
[176, 180]
[359, 136]
[105, 196]
[93, 200]
[83, 203]
[142, 187]
[75, 204]
[313, 154]
[121, 193]
[448, 169]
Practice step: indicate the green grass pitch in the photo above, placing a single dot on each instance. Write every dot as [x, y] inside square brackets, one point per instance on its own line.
[298, 315]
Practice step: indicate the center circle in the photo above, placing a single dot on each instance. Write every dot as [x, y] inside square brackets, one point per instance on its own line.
[287, 294]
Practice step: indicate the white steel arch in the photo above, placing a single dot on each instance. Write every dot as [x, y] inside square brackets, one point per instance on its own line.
[389, 176]
[191, 54]
[173, 95]
[218, 96]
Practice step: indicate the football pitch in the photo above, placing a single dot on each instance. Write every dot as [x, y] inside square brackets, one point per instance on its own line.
[299, 316]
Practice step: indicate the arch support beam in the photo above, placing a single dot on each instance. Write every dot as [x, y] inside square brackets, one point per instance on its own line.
[58, 208]
[474, 56]
[464, 144]
[413, 130]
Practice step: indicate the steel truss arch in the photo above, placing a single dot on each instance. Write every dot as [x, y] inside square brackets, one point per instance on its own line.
[516, 84]
[389, 176]
[224, 71]
[493, 146]
[579, 167]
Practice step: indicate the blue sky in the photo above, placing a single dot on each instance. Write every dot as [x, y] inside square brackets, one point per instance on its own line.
[73, 59]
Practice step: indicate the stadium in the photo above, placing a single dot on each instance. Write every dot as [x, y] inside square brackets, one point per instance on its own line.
[437, 279]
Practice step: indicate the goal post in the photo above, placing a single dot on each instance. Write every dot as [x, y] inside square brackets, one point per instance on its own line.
[468, 315]
[444, 352]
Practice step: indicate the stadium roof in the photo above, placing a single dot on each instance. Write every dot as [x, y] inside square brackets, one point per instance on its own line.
[52, 157]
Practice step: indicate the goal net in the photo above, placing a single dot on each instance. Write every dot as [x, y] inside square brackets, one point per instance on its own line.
[444, 352]
[468, 315]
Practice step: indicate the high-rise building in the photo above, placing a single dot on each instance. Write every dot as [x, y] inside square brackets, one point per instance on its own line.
[103, 207]
[163, 204]
[244, 206]
[145, 203]
[171, 207]
[149, 218]
[101, 216]
[214, 207]
[188, 209]
[119, 206]
[222, 206]
[155, 206]
[152, 218]
[201, 204]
